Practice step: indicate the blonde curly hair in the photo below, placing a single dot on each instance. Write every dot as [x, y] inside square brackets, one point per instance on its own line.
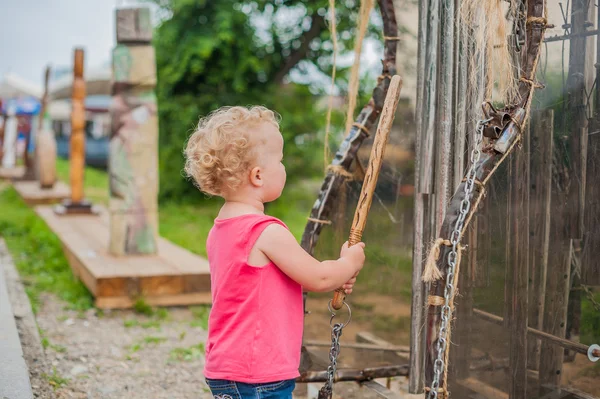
[220, 150]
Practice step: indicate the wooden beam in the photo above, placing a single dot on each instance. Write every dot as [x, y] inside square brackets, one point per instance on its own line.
[519, 260]
[357, 375]
[417, 339]
[426, 155]
[444, 116]
[77, 152]
[374, 347]
[590, 267]
[579, 82]
[541, 144]
[549, 338]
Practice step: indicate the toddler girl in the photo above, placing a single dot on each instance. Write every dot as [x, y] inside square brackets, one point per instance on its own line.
[258, 269]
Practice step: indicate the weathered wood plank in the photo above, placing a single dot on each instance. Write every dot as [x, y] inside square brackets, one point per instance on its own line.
[426, 155]
[542, 133]
[33, 194]
[444, 115]
[590, 267]
[417, 339]
[174, 276]
[519, 258]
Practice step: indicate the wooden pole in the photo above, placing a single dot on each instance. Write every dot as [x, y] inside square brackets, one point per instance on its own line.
[77, 204]
[444, 119]
[519, 258]
[133, 148]
[546, 337]
[417, 338]
[427, 158]
[579, 83]
[590, 267]
[541, 144]
[77, 129]
[370, 182]
[461, 351]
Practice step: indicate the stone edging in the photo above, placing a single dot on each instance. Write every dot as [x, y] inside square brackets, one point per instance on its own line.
[14, 373]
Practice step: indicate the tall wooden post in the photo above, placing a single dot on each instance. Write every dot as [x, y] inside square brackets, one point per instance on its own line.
[461, 351]
[518, 260]
[444, 123]
[133, 162]
[541, 144]
[579, 83]
[77, 202]
[590, 267]
[420, 237]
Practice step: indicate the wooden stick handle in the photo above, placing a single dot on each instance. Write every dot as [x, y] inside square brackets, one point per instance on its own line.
[372, 174]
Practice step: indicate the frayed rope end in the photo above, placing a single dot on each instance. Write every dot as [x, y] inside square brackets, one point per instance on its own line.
[431, 272]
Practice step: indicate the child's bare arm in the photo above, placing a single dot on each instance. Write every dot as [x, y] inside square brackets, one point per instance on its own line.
[280, 246]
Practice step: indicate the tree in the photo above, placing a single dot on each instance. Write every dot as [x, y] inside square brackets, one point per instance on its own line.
[231, 52]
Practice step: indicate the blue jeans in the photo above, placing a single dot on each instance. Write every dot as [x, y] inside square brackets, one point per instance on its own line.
[224, 389]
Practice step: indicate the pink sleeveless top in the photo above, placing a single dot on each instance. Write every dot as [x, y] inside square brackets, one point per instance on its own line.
[256, 321]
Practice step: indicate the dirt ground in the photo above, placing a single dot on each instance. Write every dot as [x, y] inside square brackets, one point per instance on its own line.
[122, 354]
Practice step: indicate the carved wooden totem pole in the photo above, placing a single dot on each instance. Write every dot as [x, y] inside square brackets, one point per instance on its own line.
[133, 160]
[77, 203]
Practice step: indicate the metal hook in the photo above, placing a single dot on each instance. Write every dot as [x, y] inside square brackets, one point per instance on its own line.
[333, 314]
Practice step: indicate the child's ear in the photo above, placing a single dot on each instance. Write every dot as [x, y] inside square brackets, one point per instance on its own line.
[256, 177]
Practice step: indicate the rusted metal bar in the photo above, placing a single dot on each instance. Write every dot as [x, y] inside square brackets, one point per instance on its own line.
[572, 36]
[402, 349]
[357, 375]
[562, 342]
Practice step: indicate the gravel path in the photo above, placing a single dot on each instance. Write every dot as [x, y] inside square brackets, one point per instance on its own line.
[122, 354]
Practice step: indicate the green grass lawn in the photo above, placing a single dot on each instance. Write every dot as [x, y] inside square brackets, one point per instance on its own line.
[38, 254]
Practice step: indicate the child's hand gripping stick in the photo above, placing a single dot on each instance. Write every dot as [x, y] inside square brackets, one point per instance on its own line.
[371, 175]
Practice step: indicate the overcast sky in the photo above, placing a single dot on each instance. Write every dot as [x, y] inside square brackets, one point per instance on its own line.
[34, 33]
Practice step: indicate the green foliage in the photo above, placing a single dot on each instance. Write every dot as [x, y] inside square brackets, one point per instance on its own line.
[141, 307]
[215, 53]
[38, 254]
[193, 352]
[55, 379]
[590, 318]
